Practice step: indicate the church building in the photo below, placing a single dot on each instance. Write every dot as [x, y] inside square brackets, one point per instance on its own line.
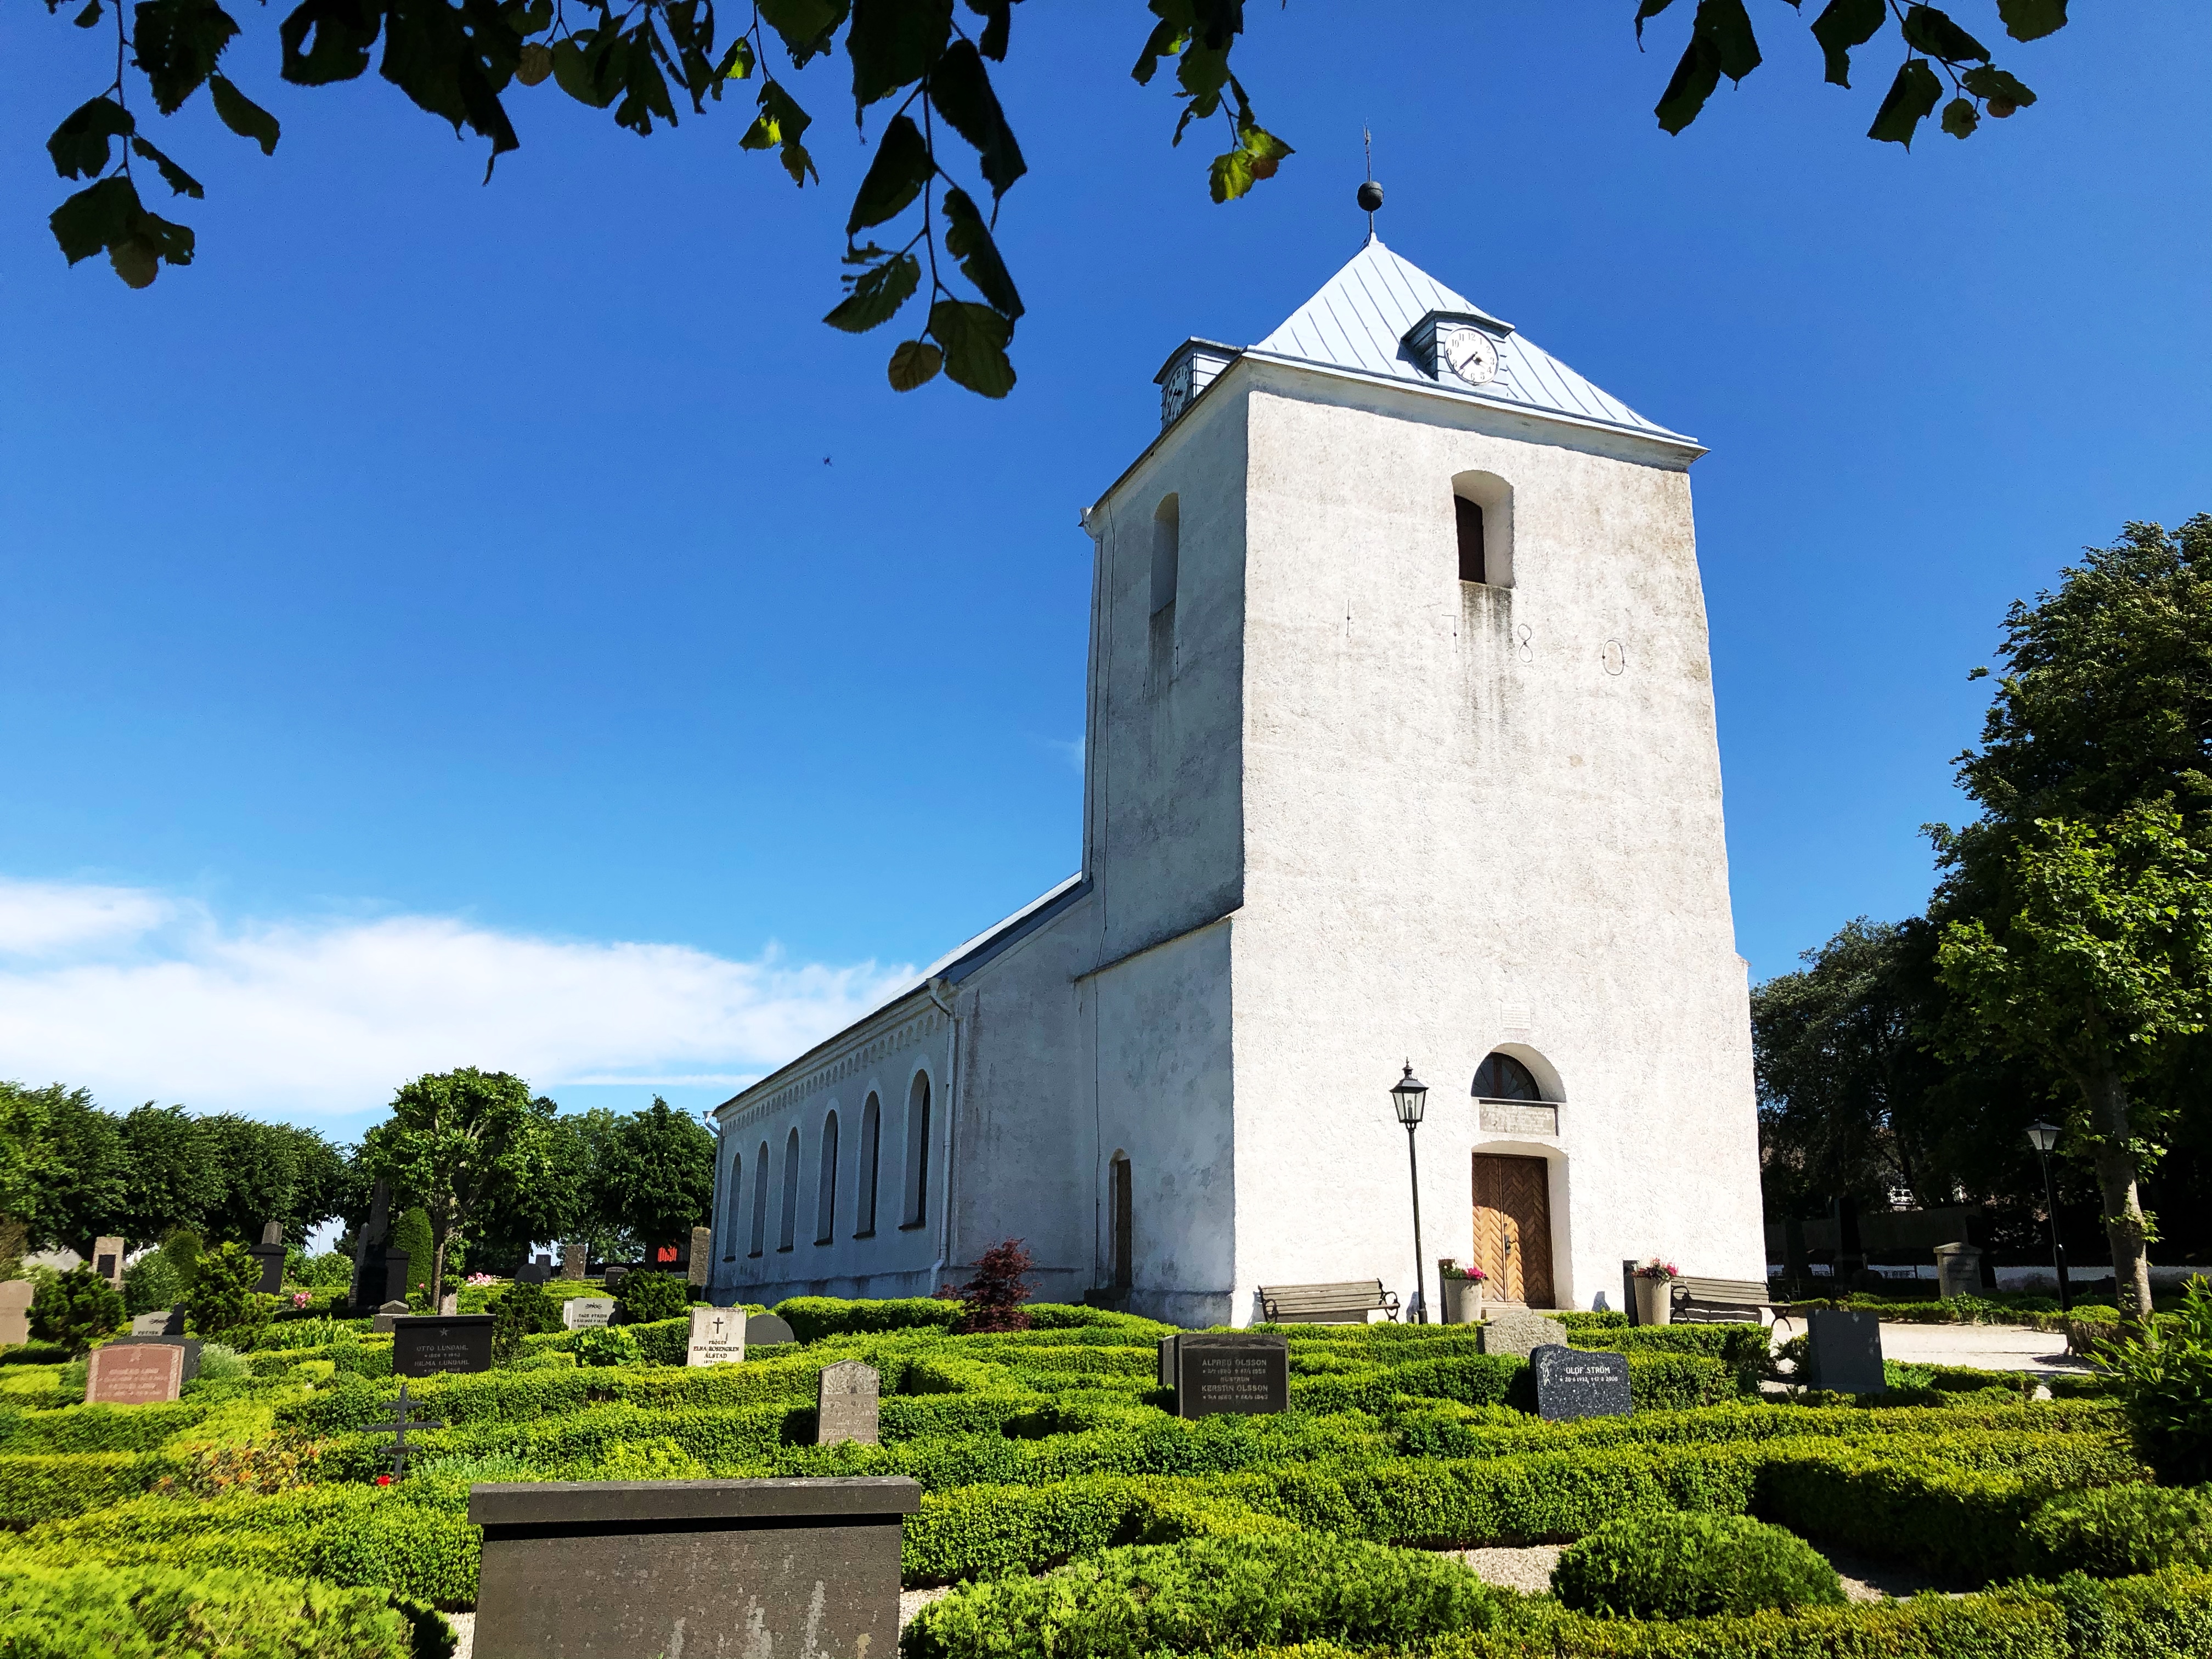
[1400, 751]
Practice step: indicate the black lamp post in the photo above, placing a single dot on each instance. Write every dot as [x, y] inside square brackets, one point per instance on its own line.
[2043, 1137]
[1407, 1097]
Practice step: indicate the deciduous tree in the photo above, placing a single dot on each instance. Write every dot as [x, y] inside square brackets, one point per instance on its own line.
[456, 1144]
[653, 1177]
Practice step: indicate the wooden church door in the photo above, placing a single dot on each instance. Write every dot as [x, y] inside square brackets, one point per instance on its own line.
[1513, 1228]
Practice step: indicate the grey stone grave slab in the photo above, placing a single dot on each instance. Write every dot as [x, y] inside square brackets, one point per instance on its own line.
[593, 1570]
[1577, 1382]
[15, 1310]
[162, 1321]
[426, 1345]
[717, 1337]
[450, 1304]
[134, 1373]
[701, 1257]
[575, 1261]
[1958, 1271]
[535, 1271]
[177, 1339]
[1843, 1351]
[849, 1395]
[382, 1324]
[588, 1313]
[1518, 1332]
[766, 1330]
[107, 1260]
[1230, 1372]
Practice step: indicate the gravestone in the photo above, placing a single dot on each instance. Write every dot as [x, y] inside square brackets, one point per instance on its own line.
[717, 1337]
[1958, 1271]
[450, 1304]
[535, 1271]
[269, 1253]
[107, 1260]
[588, 1313]
[847, 1400]
[16, 1310]
[572, 1570]
[134, 1373]
[379, 1272]
[1518, 1332]
[1228, 1372]
[702, 1256]
[395, 1309]
[1576, 1382]
[191, 1345]
[426, 1345]
[575, 1261]
[1843, 1351]
[766, 1330]
[162, 1321]
[614, 1276]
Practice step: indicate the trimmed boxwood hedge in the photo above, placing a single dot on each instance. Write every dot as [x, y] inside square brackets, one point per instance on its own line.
[49, 1486]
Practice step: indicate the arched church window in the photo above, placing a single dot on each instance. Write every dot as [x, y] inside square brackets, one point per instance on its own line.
[872, 1148]
[1501, 1077]
[1469, 517]
[1167, 554]
[760, 1201]
[1482, 521]
[825, 1195]
[731, 1192]
[787, 1229]
[916, 1208]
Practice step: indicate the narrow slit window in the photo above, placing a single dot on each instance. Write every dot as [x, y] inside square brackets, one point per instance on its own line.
[872, 1149]
[787, 1229]
[1473, 566]
[826, 1198]
[734, 1191]
[917, 1152]
[760, 1201]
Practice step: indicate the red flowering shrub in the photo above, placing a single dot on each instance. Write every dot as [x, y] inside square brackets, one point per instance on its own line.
[991, 1300]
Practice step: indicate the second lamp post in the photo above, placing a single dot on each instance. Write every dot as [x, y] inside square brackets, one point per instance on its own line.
[1407, 1097]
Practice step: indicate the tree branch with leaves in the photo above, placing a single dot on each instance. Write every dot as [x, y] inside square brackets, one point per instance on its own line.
[457, 1143]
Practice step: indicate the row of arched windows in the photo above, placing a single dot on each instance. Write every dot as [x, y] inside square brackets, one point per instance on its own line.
[780, 1204]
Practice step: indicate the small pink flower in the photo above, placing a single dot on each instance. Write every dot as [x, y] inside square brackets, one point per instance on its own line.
[301, 1298]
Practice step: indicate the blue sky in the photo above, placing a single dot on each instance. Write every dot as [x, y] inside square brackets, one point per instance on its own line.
[499, 625]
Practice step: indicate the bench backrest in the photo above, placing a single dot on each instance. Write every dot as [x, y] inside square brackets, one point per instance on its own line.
[1737, 1292]
[1352, 1295]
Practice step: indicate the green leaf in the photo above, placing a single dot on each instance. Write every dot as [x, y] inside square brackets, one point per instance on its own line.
[2031, 20]
[961, 89]
[179, 182]
[451, 63]
[1988, 82]
[1257, 155]
[737, 63]
[89, 16]
[1934, 32]
[1728, 27]
[580, 69]
[83, 144]
[1649, 8]
[914, 362]
[177, 43]
[780, 125]
[894, 43]
[343, 31]
[968, 239]
[896, 177]
[1907, 102]
[1961, 117]
[242, 115]
[806, 26]
[876, 295]
[1696, 74]
[1842, 26]
[997, 20]
[93, 218]
[974, 340]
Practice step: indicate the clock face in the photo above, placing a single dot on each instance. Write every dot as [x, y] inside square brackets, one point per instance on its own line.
[1469, 355]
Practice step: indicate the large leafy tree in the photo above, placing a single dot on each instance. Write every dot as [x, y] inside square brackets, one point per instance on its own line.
[172, 1181]
[458, 1144]
[654, 1178]
[921, 72]
[2074, 911]
[550, 1201]
[61, 1166]
[267, 1172]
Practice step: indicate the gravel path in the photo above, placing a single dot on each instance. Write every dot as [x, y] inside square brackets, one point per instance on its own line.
[1527, 1570]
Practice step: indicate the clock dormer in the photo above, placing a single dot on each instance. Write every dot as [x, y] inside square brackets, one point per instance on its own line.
[1462, 345]
[1190, 368]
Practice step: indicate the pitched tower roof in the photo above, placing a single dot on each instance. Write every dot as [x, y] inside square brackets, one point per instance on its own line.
[1359, 319]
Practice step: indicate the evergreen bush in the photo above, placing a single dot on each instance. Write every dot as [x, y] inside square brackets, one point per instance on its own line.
[75, 1309]
[222, 1302]
[411, 1233]
[151, 1283]
[2113, 1531]
[520, 1310]
[645, 1297]
[1692, 1566]
[160, 1613]
[2164, 1379]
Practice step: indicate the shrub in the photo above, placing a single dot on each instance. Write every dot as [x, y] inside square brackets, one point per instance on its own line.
[647, 1297]
[813, 1317]
[159, 1612]
[331, 1271]
[2119, 1530]
[610, 1345]
[151, 1283]
[521, 1310]
[1206, 1595]
[991, 1300]
[75, 1309]
[1692, 1566]
[411, 1233]
[2164, 1379]
[222, 1302]
[221, 1363]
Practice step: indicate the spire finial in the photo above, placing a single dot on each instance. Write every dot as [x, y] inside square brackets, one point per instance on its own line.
[1370, 194]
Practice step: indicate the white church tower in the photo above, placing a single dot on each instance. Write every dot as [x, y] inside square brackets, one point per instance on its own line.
[1400, 750]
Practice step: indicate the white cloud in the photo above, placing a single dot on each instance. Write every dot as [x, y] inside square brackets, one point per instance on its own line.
[137, 996]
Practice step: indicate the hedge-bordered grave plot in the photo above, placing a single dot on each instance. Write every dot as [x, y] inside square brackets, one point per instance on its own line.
[1073, 1514]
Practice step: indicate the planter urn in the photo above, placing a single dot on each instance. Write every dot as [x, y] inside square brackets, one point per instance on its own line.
[1655, 1301]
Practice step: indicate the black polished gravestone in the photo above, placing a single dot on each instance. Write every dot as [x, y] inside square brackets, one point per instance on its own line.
[1843, 1351]
[592, 1569]
[1576, 1382]
[425, 1344]
[1228, 1371]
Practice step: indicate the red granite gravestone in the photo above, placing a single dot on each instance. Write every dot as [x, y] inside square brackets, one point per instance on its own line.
[134, 1374]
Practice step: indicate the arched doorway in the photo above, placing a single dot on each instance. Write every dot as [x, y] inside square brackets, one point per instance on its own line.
[1513, 1228]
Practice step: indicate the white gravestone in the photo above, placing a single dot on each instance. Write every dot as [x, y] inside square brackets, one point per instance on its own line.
[588, 1313]
[15, 1310]
[717, 1337]
[849, 1398]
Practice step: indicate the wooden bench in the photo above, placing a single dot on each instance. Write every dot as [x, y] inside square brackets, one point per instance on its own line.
[1320, 1305]
[1721, 1301]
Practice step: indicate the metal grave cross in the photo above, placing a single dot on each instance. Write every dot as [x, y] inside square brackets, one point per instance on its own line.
[397, 1428]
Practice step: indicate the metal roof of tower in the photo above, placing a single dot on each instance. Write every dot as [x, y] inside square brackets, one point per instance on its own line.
[1359, 319]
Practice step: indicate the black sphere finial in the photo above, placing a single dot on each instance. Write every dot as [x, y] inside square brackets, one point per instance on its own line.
[1370, 196]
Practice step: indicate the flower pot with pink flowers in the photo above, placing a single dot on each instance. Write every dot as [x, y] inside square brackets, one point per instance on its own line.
[1654, 1292]
[1463, 1289]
